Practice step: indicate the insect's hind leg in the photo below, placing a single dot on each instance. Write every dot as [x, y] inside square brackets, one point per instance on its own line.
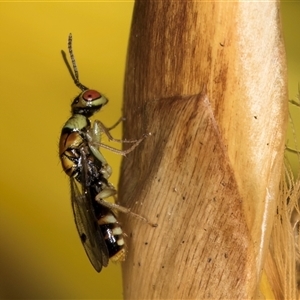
[111, 191]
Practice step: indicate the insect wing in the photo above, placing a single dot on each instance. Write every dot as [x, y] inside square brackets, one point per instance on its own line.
[87, 227]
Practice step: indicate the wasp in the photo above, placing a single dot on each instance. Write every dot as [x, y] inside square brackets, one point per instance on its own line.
[81, 159]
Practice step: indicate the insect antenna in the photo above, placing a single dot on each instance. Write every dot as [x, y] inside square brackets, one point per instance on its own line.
[76, 74]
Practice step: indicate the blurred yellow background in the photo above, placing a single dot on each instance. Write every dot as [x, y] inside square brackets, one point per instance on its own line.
[41, 256]
[291, 34]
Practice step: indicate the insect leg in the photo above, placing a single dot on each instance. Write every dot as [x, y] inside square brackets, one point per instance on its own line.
[110, 191]
[122, 152]
[106, 168]
[116, 124]
[102, 128]
[94, 143]
[94, 138]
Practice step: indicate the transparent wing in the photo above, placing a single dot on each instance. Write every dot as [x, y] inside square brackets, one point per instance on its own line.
[87, 226]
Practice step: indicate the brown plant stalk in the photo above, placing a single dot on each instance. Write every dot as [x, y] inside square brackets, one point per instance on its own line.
[208, 80]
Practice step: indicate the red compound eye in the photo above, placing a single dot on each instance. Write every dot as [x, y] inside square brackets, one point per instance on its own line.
[91, 95]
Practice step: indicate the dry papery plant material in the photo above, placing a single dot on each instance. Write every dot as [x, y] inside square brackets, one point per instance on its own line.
[212, 175]
[281, 262]
[284, 257]
[282, 267]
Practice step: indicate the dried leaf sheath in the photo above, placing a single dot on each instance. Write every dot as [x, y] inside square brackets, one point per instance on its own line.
[213, 96]
[199, 217]
[280, 265]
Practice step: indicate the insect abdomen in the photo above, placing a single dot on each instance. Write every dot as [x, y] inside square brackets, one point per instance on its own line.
[113, 236]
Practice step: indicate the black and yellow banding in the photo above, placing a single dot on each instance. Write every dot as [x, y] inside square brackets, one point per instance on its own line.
[113, 236]
[100, 233]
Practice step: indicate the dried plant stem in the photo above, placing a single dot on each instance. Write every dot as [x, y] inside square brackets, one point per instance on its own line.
[208, 80]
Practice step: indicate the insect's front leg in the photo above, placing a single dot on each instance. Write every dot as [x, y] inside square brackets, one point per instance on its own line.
[94, 137]
[116, 124]
[100, 127]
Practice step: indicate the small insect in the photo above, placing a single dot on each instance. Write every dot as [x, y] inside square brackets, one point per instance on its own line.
[81, 159]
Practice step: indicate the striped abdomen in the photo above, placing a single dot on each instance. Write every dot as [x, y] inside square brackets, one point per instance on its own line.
[112, 232]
